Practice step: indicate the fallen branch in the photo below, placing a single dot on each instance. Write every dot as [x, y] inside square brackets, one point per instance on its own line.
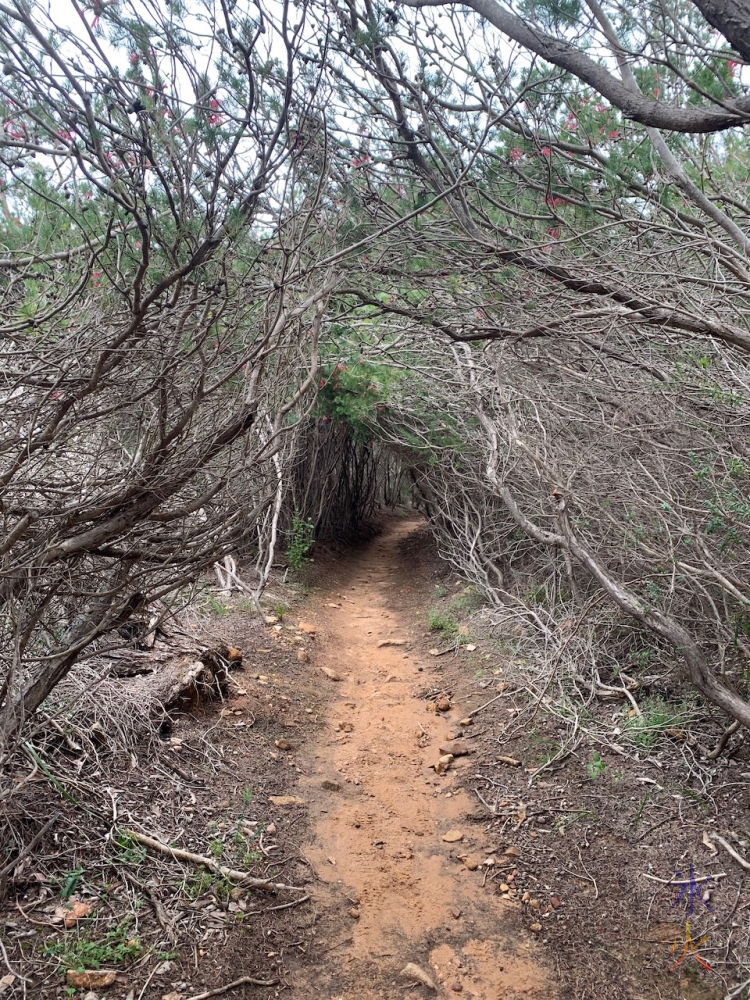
[242, 981]
[197, 859]
[730, 850]
[730, 731]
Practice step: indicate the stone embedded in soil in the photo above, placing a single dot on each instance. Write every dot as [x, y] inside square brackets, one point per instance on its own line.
[471, 861]
[344, 727]
[458, 748]
[456, 987]
[443, 705]
[468, 721]
[391, 642]
[306, 627]
[90, 979]
[354, 913]
[455, 913]
[452, 837]
[303, 656]
[535, 928]
[330, 786]
[412, 971]
[283, 744]
[286, 800]
[512, 852]
[510, 761]
[330, 674]
[234, 655]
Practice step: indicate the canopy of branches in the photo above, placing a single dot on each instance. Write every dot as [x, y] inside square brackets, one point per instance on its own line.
[264, 263]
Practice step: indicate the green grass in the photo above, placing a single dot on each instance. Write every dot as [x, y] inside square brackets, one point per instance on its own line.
[470, 599]
[202, 882]
[442, 621]
[596, 766]
[657, 717]
[79, 950]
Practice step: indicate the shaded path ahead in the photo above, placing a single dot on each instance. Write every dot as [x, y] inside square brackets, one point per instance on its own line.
[378, 811]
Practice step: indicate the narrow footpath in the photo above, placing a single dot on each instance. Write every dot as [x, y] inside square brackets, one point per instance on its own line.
[379, 813]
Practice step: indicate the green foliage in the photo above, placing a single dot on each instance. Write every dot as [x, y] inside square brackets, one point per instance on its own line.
[596, 766]
[129, 851]
[470, 599]
[300, 540]
[356, 394]
[71, 880]
[656, 718]
[78, 950]
[200, 883]
[442, 621]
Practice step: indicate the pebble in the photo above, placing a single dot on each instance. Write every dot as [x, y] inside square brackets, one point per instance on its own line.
[286, 800]
[444, 763]
[456, 987]
[354, 913]
[512, 852]
[330, 786]
[302, 655]
[452, 836]
[412, 971]
[101, 978]
[443, 705]
[331, 674]
[283, 744]
[466, 722]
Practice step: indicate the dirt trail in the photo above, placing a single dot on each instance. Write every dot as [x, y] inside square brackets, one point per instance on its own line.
[377, 829]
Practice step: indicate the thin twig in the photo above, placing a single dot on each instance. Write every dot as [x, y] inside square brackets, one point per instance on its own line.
[730, 850]
[286, 906]
[242, 981]
[8, 966]
[30, 846]
[684, 881]
[198, 859]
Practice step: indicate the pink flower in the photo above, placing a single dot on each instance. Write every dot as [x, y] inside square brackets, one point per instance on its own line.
[516, 153]
[554, 233]
[731, 66]
[614, 134]
[545, 151]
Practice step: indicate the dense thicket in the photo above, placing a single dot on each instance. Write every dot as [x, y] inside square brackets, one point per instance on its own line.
[263, 267]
